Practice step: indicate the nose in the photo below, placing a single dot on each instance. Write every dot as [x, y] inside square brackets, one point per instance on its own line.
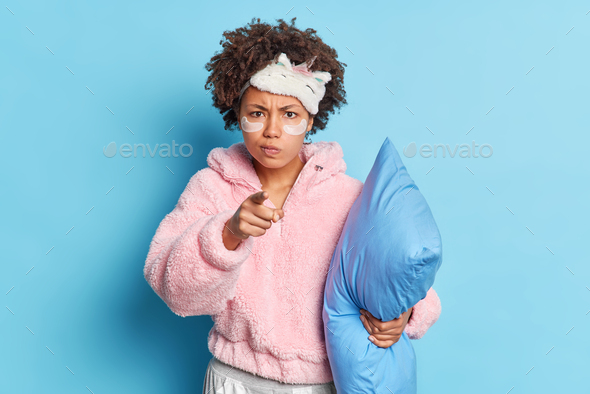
[274, 127]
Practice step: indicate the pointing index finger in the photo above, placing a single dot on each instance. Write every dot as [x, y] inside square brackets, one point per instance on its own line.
[259, 197]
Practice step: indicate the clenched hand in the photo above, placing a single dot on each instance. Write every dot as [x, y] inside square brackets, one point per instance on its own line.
[384, 333]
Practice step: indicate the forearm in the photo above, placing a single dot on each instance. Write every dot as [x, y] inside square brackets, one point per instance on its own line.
[192, 270]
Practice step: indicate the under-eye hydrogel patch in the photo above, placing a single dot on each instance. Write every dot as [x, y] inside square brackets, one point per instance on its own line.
[297, 129]
[250, 127]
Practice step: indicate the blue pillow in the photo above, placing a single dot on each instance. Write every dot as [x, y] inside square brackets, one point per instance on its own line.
[385, 262]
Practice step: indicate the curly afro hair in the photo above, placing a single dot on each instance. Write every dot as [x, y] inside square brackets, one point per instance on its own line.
[249, 49]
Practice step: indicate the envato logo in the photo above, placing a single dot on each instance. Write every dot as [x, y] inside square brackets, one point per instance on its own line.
[465, 150]
[126, 150]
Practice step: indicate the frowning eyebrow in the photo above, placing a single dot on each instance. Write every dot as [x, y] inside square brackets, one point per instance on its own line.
[286, 107]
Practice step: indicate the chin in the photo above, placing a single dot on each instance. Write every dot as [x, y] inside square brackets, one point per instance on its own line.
[271, 163]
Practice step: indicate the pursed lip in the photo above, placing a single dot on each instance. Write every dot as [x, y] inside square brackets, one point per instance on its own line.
[269, 147]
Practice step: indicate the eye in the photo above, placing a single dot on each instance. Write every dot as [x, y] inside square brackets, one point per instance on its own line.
[291, 117]
[255, 112]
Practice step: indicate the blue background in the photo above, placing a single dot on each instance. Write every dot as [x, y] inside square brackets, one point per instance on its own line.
[81, 317]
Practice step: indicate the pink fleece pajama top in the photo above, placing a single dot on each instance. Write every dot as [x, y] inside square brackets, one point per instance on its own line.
[266, 296]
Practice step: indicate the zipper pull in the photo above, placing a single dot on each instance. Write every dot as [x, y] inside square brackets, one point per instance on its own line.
[317, 168]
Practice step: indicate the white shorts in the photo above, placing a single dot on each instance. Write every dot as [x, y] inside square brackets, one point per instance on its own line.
[225, 379]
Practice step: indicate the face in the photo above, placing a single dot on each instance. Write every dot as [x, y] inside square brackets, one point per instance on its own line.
[268, 119]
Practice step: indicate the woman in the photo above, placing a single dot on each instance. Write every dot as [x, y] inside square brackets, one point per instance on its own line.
[251, 238]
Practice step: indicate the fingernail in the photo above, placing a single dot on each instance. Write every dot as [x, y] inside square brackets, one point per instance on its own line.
[371, 339]
[363, 318]
[276, 217]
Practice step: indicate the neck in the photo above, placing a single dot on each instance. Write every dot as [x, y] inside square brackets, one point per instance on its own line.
[279, 177]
